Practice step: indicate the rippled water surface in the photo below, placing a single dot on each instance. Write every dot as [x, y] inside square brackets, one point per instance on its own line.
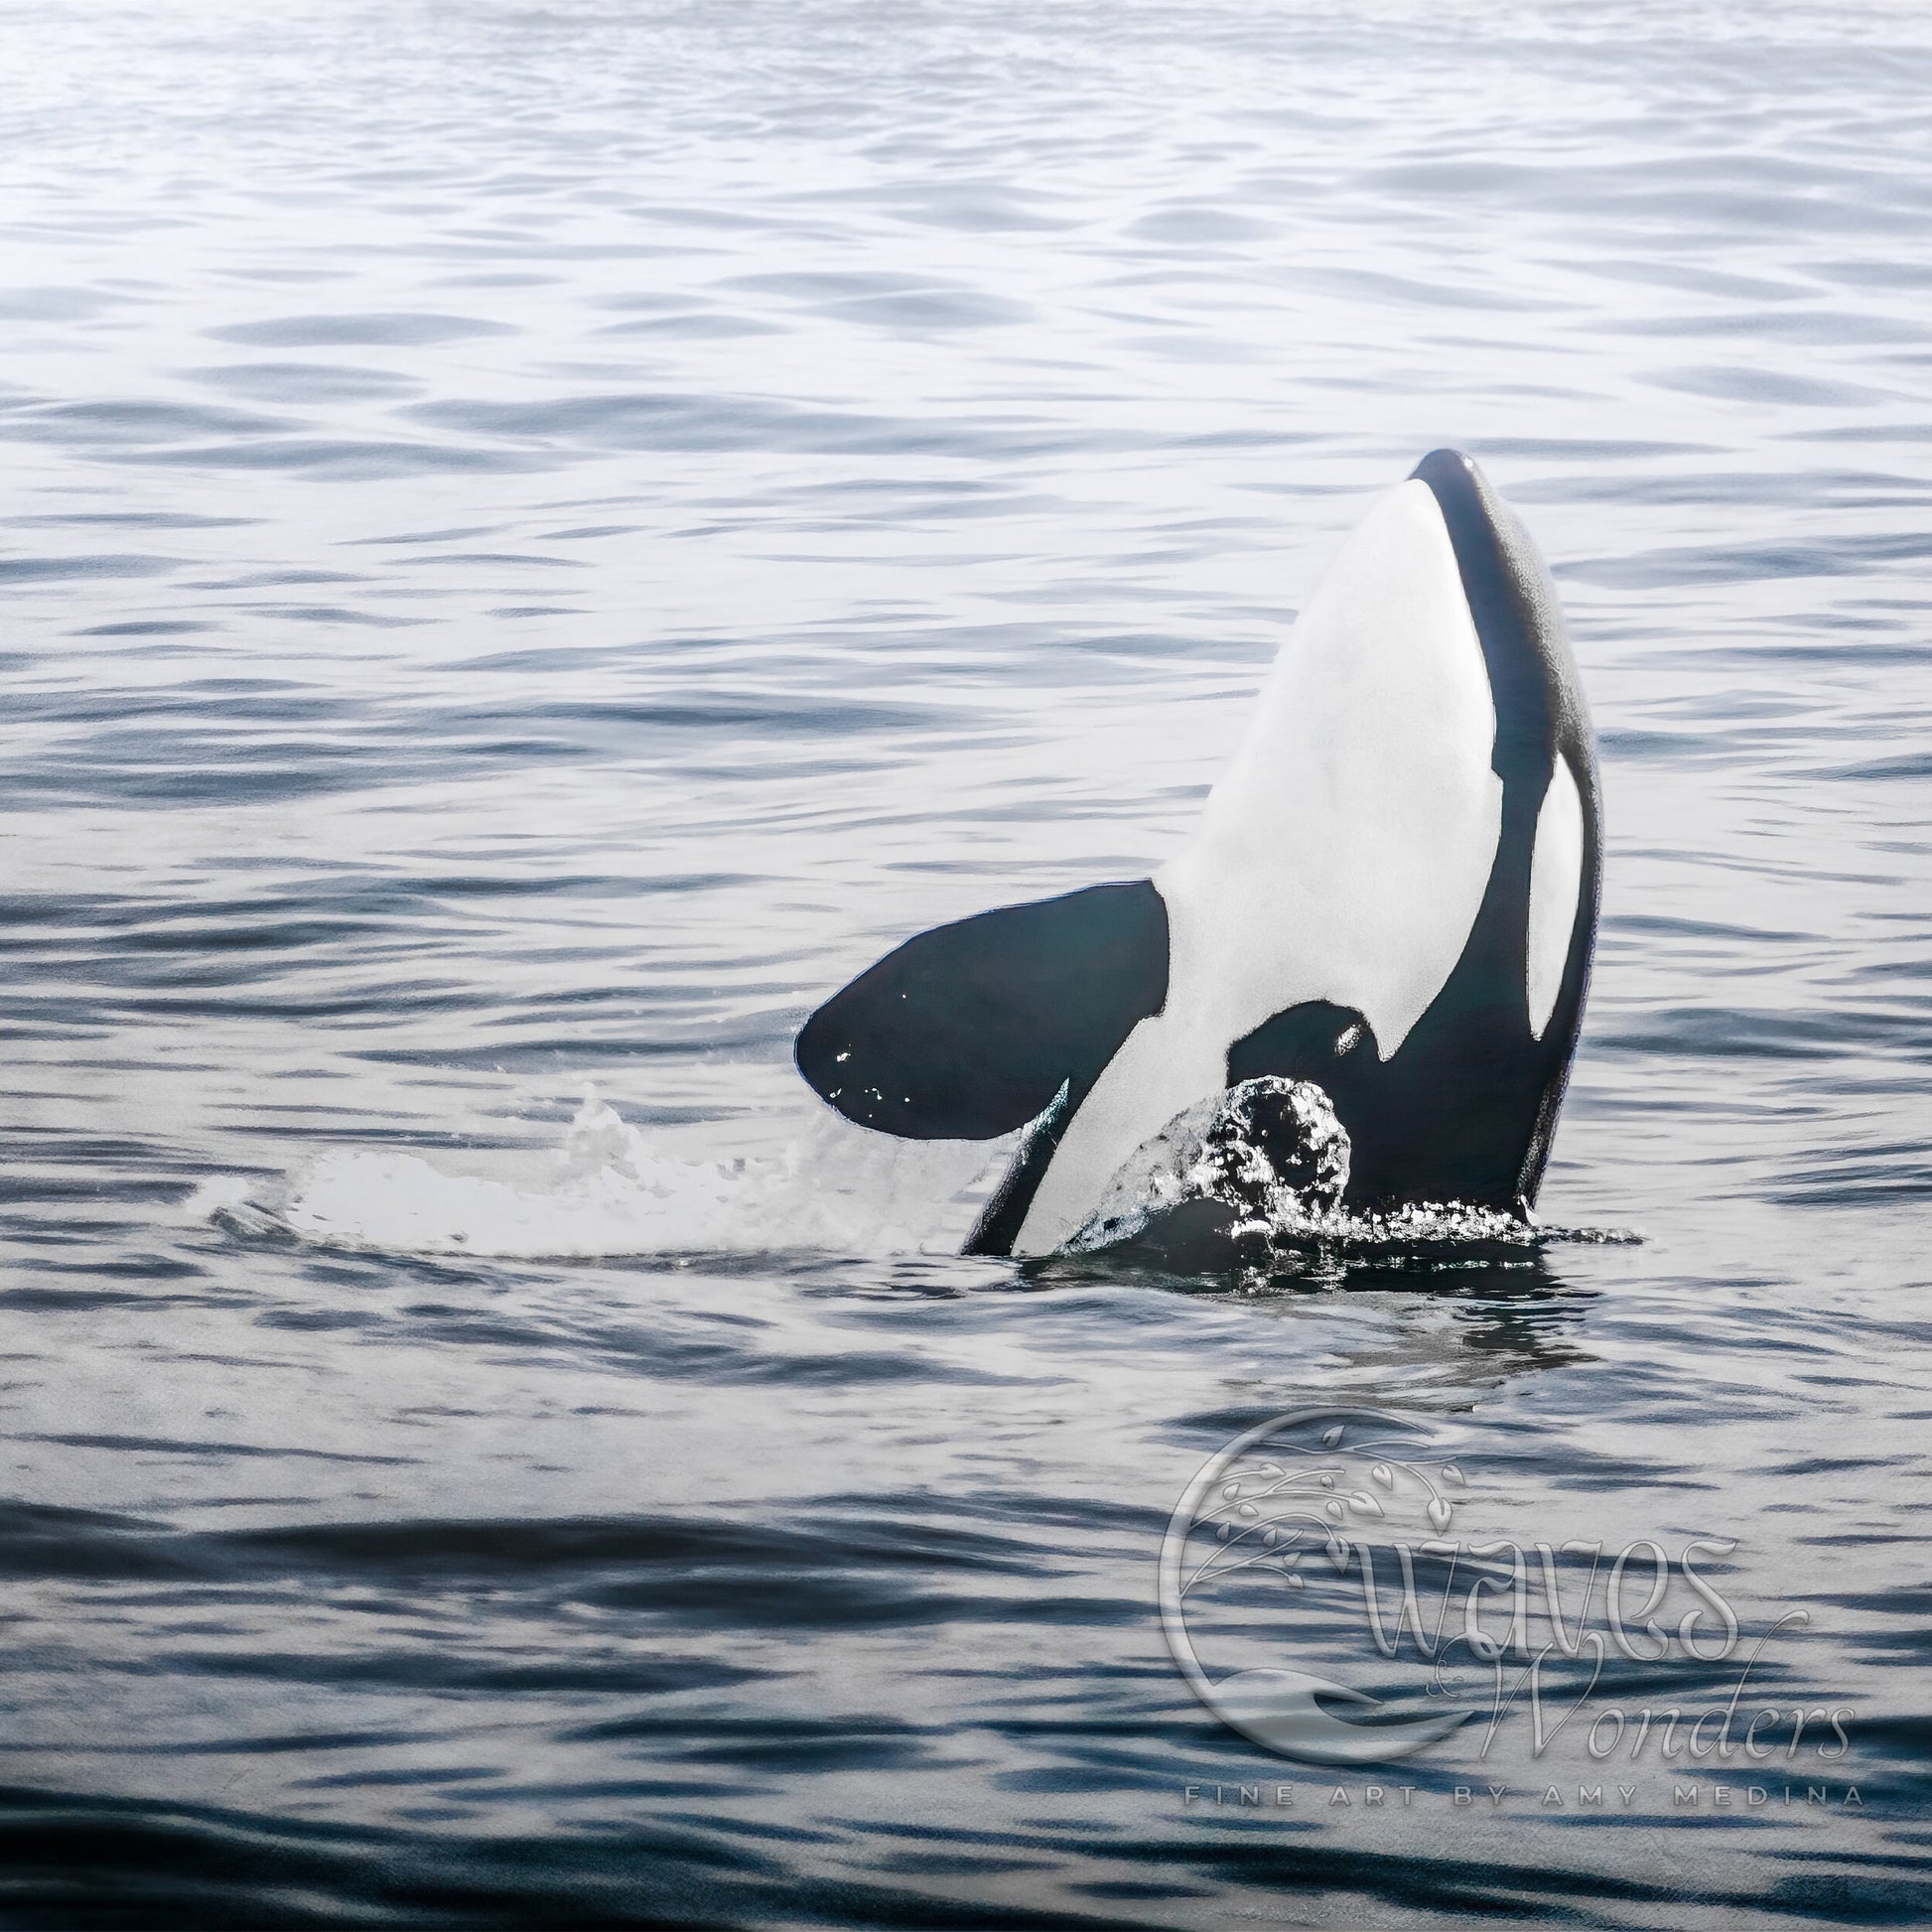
[538, 541]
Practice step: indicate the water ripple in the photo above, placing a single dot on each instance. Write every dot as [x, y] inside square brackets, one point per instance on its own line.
[538, 545]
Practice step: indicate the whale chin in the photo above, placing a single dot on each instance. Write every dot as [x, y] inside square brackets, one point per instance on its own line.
[1277, 1710]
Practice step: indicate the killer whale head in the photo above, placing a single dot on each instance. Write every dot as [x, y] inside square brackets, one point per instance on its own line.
[1392, 893]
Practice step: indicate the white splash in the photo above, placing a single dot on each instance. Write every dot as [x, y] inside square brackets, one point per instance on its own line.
[1269, 1149]
[1274, 1151]
[612, 1190]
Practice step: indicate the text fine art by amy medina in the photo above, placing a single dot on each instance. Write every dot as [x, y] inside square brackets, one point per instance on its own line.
[965, 966]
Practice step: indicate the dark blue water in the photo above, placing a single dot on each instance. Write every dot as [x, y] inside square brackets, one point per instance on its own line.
[537, 541]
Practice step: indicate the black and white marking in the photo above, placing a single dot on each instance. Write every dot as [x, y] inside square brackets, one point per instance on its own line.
[1392, 893]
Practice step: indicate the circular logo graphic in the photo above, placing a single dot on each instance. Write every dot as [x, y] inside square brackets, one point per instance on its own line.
[1306, 1498]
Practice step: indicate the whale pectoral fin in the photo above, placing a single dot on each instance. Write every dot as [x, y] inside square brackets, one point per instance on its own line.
[971, 1030]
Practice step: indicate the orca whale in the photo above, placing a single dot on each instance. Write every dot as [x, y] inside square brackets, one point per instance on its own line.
[1392, 893]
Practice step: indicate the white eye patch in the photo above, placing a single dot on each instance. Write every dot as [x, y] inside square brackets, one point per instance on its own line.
[1555, 878]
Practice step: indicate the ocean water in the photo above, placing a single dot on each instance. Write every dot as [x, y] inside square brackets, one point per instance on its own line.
[536, 541]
